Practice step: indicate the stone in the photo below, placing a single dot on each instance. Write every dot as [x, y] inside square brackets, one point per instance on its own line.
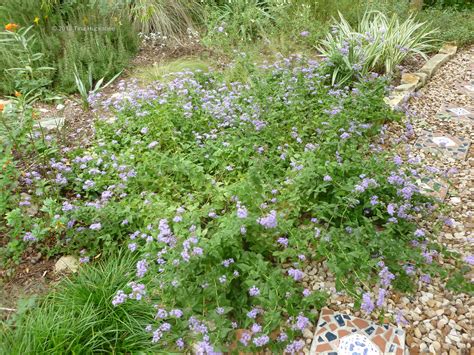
[51, 123]
[411, 79]
[418, 333]
[396, 99]
[441, 323]
[406, 88]
[423, 77]
[307, 333]
[439, 312]
[448, 49]
[436, 346]
[67, 263]
[434, 63]
[5, 102]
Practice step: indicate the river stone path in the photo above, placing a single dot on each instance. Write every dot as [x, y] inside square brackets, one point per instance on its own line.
[439, 130]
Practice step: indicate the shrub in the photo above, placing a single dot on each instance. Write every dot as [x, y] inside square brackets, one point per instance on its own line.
[379, 44]
[457, 26]
[23, 70]
[228, 192]
[458, 4]
[93, 36]
[171, 19]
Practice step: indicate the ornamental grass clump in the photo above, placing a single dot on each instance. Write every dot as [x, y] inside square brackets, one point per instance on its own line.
[378, 44]
[228, 194]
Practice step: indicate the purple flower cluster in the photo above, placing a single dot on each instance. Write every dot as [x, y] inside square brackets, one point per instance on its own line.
[268, 221]
[254, 291]
[296, 274]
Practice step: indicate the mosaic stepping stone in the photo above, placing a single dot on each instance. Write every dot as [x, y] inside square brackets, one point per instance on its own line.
[457, 113]
[432, 187]
[342, 334]
[456, 147]
[467, 88]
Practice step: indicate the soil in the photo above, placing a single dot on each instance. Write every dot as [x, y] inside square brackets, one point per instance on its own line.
[28, 279]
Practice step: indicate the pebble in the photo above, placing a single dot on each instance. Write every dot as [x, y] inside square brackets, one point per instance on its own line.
[418, 333]
[441, 323]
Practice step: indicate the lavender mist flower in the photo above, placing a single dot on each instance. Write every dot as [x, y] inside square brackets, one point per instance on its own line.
[419, 233]
[295, 274]
[283, 241]
[268, 221]
[119, 298]
[381, 297]
[176, 313]
[242, 212]
[253, 313]
[256, 328]
[367, 304]
[180, 343]
[469, 259]
[261, 341]
[425, 278]
[301, 322]
[95, 226]
[245, 338]
[327, 178]
[294, 347]
[142, 267]
[386, 277]
[254, 291]
[29, 237]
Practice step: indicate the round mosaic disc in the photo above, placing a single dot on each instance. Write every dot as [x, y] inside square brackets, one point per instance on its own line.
[357, 344]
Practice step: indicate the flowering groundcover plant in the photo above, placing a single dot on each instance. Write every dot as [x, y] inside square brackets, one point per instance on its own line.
[225, 192]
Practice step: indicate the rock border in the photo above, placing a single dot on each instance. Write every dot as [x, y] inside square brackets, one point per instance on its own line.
[412, 82]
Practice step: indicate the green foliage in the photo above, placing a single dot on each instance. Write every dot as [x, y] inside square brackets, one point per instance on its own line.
[94, 36]
[165, 71]
[379, 44]
[78, 317]
[88, 88]
[23, 70]
[455, 26]
[8, 180]
[457, 4]
[172, 19]
[222, 187]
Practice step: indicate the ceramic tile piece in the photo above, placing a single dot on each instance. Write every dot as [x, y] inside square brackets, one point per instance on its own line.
[463, 114]
[467, 88]
[357, 344]
[436, 142]
[443, 141]
[386, 339]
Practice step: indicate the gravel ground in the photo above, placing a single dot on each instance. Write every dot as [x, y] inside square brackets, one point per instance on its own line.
[438, 321]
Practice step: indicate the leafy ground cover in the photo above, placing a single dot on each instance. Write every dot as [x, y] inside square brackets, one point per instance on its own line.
[225, 191]
[208, 193]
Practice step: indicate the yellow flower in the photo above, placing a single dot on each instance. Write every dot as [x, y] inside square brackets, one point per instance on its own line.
[36, 20]
[17, 94]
